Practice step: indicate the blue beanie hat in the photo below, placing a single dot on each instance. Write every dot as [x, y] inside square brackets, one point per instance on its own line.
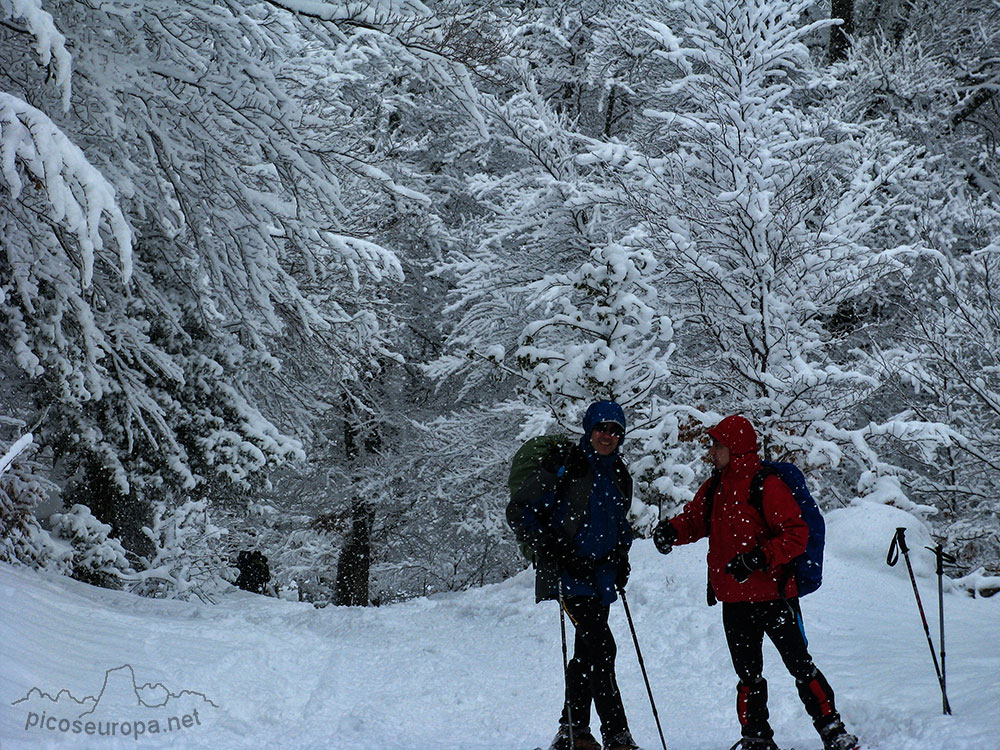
[602, 411]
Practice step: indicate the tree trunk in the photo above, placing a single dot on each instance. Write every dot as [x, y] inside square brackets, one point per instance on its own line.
[354, 565]
[840, 35]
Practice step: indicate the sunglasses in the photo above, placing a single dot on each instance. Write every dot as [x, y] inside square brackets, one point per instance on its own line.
[611, 428]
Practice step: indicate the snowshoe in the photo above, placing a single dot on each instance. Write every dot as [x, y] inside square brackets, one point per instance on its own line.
[582, 739]
[622, 741]
[836, 737]
[755, 743]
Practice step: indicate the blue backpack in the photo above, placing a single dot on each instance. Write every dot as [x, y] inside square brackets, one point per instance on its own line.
[807, 568]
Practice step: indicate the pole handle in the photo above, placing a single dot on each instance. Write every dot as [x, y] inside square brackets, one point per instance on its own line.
[942, 558]
[898, 545]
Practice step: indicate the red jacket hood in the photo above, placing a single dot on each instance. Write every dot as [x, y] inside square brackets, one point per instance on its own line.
[737, 434]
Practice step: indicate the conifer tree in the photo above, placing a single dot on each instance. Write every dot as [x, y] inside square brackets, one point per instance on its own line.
[766, 215]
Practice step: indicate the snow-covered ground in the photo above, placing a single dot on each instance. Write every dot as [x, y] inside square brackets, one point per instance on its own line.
[481, 670]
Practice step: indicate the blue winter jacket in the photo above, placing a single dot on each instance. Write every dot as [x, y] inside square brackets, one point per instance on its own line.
[587, 507]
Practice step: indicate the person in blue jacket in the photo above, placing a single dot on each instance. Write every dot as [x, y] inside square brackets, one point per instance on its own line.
[572, 514]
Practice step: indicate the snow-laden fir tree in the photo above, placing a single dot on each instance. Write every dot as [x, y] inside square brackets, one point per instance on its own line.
[22, 538]
[191, 184]
[97, 557]
[766, 214]
[557, 300]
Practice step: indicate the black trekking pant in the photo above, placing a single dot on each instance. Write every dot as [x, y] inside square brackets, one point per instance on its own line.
[745, 624]
[590, 676]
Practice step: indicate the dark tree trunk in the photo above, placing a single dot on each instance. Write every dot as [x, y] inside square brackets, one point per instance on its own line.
[840, 36]
[354, 565]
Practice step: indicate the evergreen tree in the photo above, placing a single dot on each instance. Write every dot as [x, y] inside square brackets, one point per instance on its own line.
[98, 559]
[166, 229]
[22, 538]
[766, 214]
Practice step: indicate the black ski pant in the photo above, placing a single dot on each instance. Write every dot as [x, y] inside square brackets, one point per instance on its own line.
[745, 624]
[590, 676]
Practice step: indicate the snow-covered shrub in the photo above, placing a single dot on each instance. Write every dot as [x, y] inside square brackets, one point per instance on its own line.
[306, 562]
[98, 559]
[979, 583]
[186, 559]
[22, 539]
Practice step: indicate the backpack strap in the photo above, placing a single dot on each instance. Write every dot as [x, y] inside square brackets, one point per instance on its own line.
[757, 489]
[713, 487]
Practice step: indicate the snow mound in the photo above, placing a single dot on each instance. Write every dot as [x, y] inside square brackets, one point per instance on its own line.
[863, 532]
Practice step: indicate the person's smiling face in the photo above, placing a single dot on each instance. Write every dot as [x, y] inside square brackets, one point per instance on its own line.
[605, 437]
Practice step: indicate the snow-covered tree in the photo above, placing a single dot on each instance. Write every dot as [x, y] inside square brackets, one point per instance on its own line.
[950, 371]
[22, 538]
[186, 559]
[581, 319]
[555, 304]
[97, 558]
[927, 73]
[766, 215]
[194, 185]
[932, 70]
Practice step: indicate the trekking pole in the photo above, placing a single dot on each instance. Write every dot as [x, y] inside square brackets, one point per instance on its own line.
[562, 631]
[941, 558]
[898, 545]
[642, 665]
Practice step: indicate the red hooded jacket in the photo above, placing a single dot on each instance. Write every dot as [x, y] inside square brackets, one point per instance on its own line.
[737, 527]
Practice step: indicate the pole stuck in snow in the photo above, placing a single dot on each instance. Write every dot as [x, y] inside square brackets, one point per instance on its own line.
[941, 558]
[899, 545]
[562, 632]
[642, 665]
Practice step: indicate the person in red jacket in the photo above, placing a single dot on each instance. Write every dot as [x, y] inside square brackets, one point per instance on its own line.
[748, 552]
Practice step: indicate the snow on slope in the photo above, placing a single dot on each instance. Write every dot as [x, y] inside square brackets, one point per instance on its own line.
[481, 670]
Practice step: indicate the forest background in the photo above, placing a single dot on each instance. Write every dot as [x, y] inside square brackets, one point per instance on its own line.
[299, 276]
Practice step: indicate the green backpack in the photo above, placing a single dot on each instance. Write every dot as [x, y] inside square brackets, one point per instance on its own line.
[524, 464]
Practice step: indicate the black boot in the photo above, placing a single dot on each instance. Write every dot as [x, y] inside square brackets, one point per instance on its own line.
[621, 741]
[836, 737]
[582, 739]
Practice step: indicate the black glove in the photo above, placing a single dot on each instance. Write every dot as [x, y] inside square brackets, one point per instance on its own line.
[664, 537]
[745, 563]
[558, 458]
[623, 572]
